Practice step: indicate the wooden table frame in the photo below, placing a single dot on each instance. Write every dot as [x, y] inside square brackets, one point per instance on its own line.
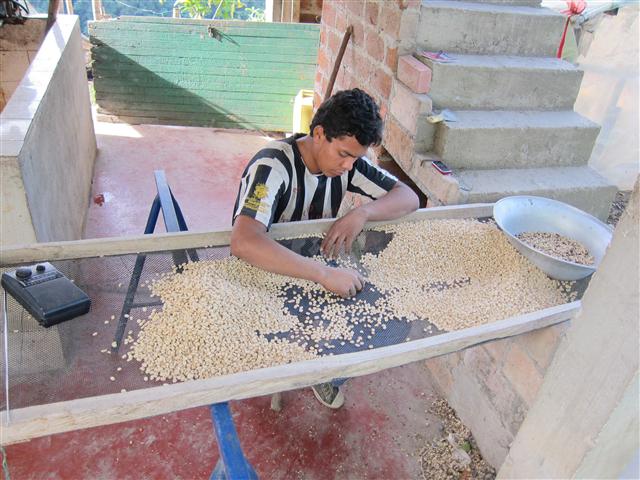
[30, 422]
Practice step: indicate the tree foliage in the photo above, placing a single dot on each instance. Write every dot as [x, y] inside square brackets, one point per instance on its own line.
[250, 9]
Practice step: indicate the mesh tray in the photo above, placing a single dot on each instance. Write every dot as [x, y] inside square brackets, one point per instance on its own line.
[70, 360]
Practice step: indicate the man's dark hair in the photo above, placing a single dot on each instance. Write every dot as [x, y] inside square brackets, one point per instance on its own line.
[351, 113]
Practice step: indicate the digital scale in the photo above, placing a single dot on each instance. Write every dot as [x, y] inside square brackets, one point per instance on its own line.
[46, 293]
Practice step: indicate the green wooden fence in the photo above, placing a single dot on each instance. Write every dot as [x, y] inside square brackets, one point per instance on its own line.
[228, 74]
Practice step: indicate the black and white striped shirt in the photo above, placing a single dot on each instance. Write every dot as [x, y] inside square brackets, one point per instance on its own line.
[276, 186]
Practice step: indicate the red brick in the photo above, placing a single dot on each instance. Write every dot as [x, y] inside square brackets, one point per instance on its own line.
[356, 7]
[414, 74]
[384, 109]
[374, 44]
[398, 143]
[328, 13]
[390, 16]
[371, 12]
[363, 67]
[341, 22]
[412, 4]
[391, 59]
[323, 62]
[542, 344]
[521, 371]
[382, 82]
[333, 42]
[317, 100]
[358, 30]
[498, 348]
[408, 107]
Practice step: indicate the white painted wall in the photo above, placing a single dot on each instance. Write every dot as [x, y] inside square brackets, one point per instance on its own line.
[48, 144]
[609, 95]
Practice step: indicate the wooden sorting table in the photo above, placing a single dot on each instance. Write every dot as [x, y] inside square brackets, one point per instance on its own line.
[79, 394]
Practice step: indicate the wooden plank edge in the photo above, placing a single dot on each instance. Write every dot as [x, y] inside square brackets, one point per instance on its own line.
[99, 247]
[41, 420]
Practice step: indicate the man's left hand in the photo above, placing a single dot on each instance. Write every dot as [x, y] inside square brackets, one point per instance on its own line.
[343, 232]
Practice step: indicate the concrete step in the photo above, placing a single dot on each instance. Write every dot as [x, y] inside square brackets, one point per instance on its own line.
[503, 82]
[515, 139]
[581, 187]
[489, 29]
[520, 3]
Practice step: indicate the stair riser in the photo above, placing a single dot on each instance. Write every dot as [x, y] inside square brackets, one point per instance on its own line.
[467, 88]
[491, 148]
[517, 3]
[595, 200]
[469, 31]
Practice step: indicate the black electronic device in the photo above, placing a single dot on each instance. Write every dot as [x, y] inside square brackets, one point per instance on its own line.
[441, 167]
[46, 293]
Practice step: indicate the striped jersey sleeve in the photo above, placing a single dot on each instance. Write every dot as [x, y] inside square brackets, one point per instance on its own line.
[261, 188]
[369, 180]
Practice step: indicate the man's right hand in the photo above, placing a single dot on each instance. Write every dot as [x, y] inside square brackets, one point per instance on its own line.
[342, 281]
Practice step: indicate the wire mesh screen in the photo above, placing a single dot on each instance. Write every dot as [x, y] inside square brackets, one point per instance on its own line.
[85, 356]
[78, 358]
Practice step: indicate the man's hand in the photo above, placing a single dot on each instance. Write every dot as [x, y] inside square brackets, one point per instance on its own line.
[342, 281]
[343, 232]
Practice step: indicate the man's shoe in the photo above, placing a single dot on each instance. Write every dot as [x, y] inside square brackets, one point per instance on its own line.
[328, 395]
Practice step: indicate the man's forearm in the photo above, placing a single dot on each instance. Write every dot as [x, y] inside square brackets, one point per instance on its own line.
[267, 254]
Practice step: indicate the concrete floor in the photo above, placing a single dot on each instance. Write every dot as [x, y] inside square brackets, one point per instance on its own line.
[377, 434]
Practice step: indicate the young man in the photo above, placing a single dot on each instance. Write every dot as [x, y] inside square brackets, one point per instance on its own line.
[305, 177]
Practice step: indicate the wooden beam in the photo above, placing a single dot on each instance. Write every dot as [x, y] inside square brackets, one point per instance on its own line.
[98, 247]
[69, 4]
[54, 6]
[36, 421]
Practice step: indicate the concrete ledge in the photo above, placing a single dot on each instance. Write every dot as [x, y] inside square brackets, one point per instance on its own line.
[47, 134]
[504, 82]
[515, 139]
[489, 29]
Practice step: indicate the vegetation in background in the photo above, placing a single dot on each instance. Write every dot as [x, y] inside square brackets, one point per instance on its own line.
[204, 8]
[117, 8]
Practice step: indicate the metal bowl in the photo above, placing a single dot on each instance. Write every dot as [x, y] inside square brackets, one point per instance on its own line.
[515, 215]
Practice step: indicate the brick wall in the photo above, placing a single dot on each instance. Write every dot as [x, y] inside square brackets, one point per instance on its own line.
[383, 29]
[493, 385]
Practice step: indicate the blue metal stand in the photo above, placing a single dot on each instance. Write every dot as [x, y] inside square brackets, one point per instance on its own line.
[232, 464]
[174, 222]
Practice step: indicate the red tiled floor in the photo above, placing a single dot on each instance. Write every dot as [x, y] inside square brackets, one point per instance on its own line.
[378, 433]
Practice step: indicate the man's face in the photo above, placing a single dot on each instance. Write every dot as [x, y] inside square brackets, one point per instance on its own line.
[337, 156]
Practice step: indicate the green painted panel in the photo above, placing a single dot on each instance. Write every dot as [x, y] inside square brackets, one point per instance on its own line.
[231, 108]
[132, 53]
[171, 70]
[237, 69]
[238, 35]
[229, 26]
[107, 59]
[175, 95]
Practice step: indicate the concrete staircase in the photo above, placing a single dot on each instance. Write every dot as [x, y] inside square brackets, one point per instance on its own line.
[516, 131]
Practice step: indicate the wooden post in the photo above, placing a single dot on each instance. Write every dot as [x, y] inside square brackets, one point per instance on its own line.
[69, 4]
[96, 6]
[54, 6]
[290, 11]
[336, 66]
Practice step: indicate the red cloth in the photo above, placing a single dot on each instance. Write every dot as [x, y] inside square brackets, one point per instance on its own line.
[574, 7]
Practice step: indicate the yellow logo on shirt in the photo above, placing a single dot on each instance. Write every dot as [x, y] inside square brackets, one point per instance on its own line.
[261, 191]
[254, 202]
